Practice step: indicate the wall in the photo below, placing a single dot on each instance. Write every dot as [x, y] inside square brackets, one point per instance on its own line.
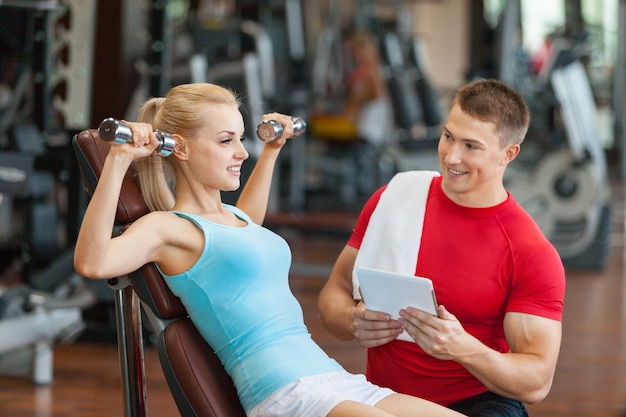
[444, 27]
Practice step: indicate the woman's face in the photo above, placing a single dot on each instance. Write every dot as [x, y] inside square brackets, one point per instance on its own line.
[217, 152]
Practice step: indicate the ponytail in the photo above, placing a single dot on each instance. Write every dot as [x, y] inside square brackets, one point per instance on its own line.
[154, 172]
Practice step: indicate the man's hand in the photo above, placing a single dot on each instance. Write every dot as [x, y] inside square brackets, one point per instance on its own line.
[442, 337]
[373, 328]
[525, 373]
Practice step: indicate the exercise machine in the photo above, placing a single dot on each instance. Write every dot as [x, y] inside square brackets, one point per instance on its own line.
[566, 191]
[47, 79]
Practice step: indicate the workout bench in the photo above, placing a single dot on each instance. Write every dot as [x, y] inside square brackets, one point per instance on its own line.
[198, 382]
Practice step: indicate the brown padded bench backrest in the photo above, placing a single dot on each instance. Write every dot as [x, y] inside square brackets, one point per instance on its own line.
[91, 152]
[200, 378]
[148, 283]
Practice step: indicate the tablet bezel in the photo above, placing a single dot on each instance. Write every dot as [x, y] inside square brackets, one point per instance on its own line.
[391, 292]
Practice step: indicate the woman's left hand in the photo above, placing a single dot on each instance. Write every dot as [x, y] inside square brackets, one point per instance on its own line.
[288, 129]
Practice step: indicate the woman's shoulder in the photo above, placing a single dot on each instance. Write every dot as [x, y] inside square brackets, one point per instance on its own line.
[162, 222]
[234, 209]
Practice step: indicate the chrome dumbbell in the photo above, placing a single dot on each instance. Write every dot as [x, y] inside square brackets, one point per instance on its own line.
[269, 130]
[113, 130]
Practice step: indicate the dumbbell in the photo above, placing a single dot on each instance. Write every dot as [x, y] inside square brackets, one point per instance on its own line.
[113, 130]
[269, 130]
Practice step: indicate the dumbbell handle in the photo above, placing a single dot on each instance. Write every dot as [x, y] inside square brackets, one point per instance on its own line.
[269, 130]
[113, 130]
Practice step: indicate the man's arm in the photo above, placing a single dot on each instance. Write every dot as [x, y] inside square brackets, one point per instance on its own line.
[346, 318]
[525, 374]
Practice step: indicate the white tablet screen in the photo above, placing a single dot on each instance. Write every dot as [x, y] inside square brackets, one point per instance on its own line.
[390, 292]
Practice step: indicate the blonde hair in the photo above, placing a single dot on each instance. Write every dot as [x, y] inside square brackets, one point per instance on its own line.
[183, 112]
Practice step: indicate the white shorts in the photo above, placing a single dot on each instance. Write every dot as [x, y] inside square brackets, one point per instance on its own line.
[317, 395]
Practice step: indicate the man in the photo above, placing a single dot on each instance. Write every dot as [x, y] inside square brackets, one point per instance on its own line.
[499, 283]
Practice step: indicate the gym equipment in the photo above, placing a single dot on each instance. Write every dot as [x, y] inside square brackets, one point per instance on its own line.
[268, 130]
[198, 382]
[431, 108]
[36, 318]
[46, 308]
[407, 107]
[416, 107]
[31, 327]
[619, 87]
[113, 130]
[50, 57]
[566, 191]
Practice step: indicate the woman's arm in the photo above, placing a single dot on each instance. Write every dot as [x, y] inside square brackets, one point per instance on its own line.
[254, 197]
[95, 256]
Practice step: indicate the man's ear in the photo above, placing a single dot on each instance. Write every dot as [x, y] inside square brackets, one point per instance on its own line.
[510, 153]
[180, 147]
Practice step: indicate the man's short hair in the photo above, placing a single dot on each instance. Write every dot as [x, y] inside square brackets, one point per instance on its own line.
[494, 101]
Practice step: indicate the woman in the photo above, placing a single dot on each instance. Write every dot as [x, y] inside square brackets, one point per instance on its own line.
[230, 273]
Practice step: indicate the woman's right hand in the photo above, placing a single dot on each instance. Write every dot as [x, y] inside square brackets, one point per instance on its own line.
[144, 141]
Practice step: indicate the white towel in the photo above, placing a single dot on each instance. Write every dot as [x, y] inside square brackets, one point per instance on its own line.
[392, 239]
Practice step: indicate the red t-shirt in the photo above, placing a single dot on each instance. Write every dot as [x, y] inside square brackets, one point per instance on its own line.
[484, 262]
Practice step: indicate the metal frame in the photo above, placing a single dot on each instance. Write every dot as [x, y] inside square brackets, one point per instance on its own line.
[130, 347]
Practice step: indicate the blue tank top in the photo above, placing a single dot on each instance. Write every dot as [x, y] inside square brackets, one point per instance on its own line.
[238, 296]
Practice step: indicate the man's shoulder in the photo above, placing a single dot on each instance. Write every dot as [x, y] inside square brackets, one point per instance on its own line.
[527, 236]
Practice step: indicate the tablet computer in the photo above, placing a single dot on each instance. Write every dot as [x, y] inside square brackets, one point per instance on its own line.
[391, 292]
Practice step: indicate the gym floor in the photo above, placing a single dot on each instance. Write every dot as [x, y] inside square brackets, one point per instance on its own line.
[590, 379]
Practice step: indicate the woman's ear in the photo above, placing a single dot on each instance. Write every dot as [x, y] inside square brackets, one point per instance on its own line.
[180, 147]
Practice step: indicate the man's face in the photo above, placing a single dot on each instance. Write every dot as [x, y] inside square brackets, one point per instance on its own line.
[472, 160]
